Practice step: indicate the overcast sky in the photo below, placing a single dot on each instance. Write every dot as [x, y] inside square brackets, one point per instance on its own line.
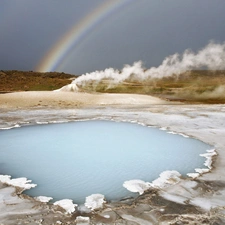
[147, 30]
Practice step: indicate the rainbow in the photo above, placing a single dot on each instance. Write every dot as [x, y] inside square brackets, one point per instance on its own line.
[57, 53]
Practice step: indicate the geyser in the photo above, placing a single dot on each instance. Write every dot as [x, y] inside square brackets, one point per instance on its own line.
[211, 57]
[74, 160]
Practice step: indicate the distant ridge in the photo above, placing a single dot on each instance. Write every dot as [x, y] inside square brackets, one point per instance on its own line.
[14, 80]
[196, 86]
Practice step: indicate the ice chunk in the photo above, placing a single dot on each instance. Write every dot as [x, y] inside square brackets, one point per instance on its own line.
[166, 178]
[201, 171]
[43, 198]
[66, 204]
[21, 182]
[209, 155]
[193, 175]
[95, 201]
[208, 162]
[136, 186]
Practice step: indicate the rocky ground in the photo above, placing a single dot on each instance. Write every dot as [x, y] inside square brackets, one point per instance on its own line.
[189, 201]
[199, 200]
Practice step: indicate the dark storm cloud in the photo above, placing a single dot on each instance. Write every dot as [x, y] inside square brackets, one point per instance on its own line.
[147, 30]
[150, 31]
[29, 28]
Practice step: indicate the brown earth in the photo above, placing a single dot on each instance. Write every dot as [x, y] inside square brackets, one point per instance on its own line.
[13, 80]
[191, 87]
[199, 86]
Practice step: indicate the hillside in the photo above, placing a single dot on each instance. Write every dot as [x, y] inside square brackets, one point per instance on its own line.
[13, 80]
[199, 86]
[191, 87]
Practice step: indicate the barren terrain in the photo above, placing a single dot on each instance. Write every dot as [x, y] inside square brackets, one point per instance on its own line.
[199, 200]
[199, 86]
[14, 80]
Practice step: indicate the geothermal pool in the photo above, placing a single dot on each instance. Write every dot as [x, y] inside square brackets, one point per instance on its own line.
[77, 159]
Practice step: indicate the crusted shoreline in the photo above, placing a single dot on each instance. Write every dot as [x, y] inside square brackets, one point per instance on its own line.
[189, 201]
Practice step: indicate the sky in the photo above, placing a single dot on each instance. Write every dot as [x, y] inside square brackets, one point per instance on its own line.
[79, 37]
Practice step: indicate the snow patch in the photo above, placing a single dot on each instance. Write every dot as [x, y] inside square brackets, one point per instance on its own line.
[21, 182]
[209, 155]
[208, 162]
[39, 122]
[95, 201]
[175, 133]
[136, 186]
[82, 219]
[43, 198]
[193, 175]
[66, 204]
[8, 128]
[167, 177]
[201, 171]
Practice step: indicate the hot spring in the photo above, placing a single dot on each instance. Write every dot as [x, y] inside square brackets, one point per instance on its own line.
[74, 160]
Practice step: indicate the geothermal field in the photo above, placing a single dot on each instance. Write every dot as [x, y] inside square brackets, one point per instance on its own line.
[196, 195]
[182, 100]
[112, 112]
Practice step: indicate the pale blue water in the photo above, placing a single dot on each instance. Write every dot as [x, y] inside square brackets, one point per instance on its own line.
[74, 160]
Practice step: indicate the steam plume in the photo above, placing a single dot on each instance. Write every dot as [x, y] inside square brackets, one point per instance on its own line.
[211, 57]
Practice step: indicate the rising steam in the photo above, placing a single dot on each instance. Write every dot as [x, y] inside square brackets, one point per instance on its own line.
[211, 57]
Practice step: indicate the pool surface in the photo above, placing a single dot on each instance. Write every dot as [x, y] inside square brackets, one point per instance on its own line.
[77, 159]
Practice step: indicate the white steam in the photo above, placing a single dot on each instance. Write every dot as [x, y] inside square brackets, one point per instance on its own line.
[211, 57]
